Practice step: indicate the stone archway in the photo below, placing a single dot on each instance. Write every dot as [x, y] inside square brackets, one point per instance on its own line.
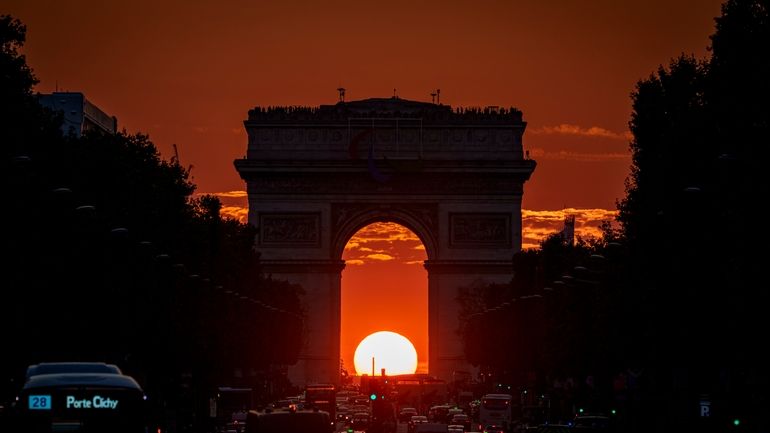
[454, 178]
[351, 217]
[384, 287]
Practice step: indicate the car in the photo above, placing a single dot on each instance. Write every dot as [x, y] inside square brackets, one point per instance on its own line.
[592, 422]
[359, 421]
[406, 413]
[439, 413]
[279, 404]
[453, 411]
[461, 419]
[414, 421]
[235, 427]
[553, 428]
[493, 428]
[292, 421]
[455, 428]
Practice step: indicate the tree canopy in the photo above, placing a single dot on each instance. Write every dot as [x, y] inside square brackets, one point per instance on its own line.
[114, 257]
[678, 301]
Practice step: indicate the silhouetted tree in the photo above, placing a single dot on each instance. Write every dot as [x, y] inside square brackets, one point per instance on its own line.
[111, 257]
[551, 320]
[22, 120]
[689, 219]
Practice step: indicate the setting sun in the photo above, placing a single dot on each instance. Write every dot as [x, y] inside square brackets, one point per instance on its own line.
[391, 351]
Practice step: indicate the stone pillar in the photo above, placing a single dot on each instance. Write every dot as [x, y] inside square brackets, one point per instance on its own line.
[319, 361]
[445, 279]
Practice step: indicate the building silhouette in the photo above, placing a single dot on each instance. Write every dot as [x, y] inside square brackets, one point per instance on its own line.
[78, 113]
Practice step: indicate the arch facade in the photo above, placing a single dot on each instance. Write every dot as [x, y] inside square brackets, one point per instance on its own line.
[315, 176]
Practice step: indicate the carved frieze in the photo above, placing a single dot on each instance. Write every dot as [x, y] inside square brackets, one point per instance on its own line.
[312, 135]
[484, 230]
[387, 140]
[299, 229]
[289, 136]
[266, 135]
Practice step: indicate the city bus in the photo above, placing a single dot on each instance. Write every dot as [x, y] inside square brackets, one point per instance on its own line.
[322, 397]
[495, 409]
[80, 402]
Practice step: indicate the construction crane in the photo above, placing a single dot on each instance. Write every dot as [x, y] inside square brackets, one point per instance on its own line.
[176, 154]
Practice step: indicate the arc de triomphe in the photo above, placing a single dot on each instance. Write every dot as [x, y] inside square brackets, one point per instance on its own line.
[315, 176]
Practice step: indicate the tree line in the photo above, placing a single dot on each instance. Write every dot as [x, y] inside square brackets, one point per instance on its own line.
[668, 310]
[110, 256]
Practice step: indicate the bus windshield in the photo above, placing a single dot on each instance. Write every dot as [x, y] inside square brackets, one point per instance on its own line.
[321, 397]
[495, 409]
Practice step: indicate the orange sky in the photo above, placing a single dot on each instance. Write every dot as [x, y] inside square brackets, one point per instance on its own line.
[186, 72]
[384, 288]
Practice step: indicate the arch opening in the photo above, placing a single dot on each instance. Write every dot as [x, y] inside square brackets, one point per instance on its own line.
[384, 288]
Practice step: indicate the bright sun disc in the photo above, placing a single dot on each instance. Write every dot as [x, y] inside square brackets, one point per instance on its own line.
[391, 351]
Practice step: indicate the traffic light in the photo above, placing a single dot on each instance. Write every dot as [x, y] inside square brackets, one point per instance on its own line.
[378, 399]
[376, 389]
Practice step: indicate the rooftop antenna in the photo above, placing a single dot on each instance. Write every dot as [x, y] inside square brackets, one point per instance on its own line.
[433, 97]
[438, 96]
[342, 93]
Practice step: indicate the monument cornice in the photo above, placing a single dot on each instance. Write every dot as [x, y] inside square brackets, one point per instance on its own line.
[289, 123]
[249, 165]
[409, 184]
